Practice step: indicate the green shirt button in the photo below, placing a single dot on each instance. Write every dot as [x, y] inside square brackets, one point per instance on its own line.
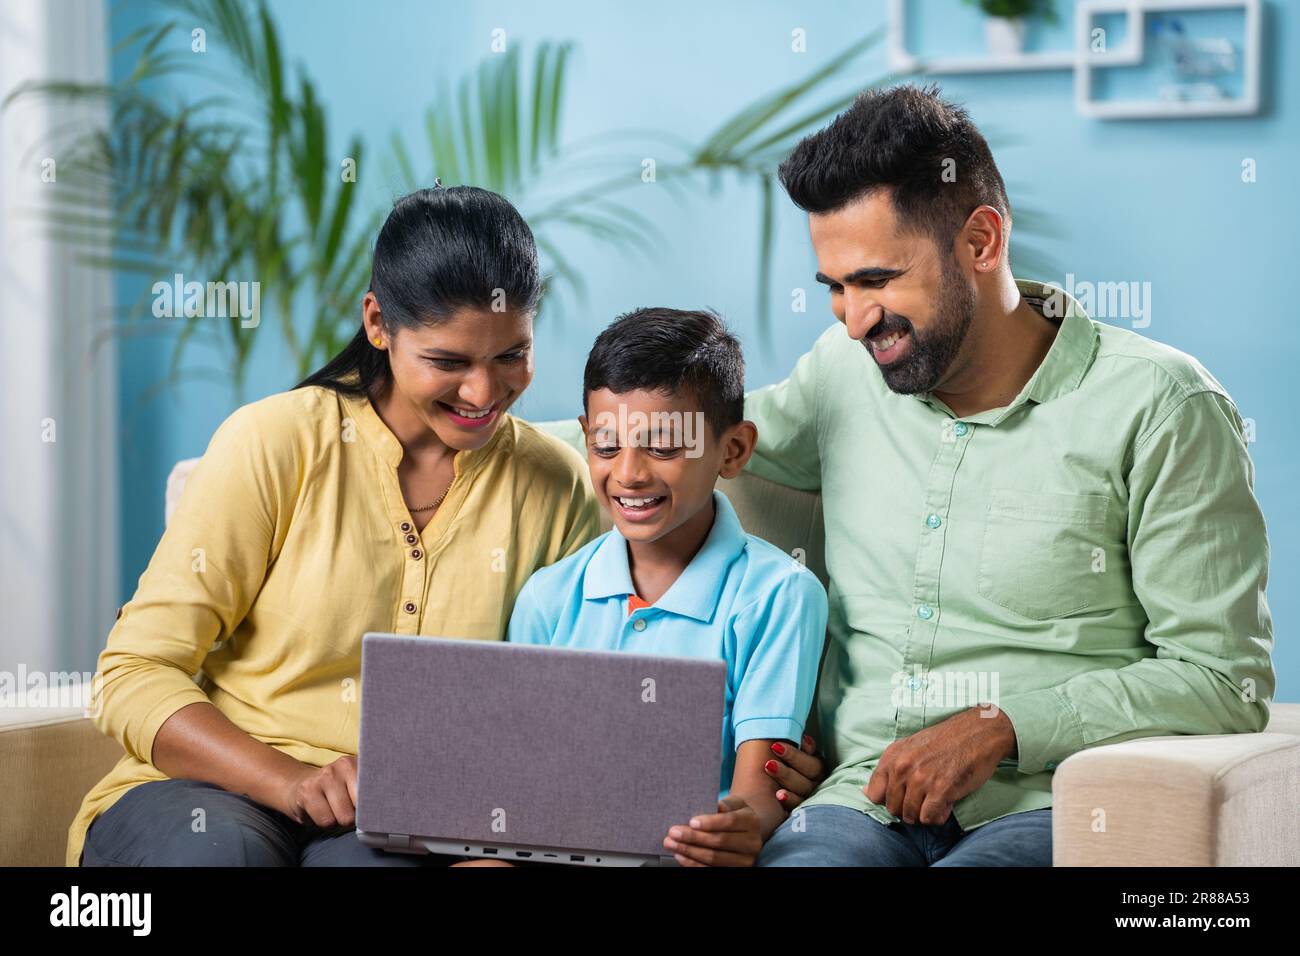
[933, 521]
[960, 429]
[925, 612]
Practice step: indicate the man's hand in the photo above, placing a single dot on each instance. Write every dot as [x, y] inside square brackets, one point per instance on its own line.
[920, 777]
[325, 796]
[797, 772]
[730, 837]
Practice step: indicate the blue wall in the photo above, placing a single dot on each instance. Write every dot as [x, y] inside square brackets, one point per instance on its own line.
[1148, 201]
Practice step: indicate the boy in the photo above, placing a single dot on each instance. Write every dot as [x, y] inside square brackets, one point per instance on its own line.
[663, 394]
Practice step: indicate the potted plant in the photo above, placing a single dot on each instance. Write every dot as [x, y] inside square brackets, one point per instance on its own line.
[1004, 28]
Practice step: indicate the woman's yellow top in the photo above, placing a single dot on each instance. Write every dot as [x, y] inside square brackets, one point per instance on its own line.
[290, 541]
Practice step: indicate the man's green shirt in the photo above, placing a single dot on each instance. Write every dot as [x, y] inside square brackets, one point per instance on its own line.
[1090, 558]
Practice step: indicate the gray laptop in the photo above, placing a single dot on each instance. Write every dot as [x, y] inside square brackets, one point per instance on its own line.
[515, 751]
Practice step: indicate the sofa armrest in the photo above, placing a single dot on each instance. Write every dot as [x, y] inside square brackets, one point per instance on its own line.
[1222, 800]
[49, 760]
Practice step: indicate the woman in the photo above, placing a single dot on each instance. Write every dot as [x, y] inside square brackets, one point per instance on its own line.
[390, 491]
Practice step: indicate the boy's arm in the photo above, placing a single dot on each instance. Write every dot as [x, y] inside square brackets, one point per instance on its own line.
[745, 819]
[755, 786]
[782, 643]
[780, 640]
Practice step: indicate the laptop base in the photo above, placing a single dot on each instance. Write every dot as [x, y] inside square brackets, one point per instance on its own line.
[398, 843]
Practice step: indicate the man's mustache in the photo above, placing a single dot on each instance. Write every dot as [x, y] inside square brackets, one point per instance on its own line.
[888, 325]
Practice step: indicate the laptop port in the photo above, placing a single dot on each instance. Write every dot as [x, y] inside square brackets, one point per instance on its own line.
[523, 853]
[574, 858]
[489, 851]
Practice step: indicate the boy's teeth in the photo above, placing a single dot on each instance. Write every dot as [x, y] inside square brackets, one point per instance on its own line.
[638, 502]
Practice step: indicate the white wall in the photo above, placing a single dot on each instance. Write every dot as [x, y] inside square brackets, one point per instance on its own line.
[58, 500]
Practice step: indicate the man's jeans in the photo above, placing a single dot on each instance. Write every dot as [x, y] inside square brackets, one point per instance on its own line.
[157, 824]
[841, 836]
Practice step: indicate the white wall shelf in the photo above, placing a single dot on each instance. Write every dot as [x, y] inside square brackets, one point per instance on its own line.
[903, 60]
[1131, 52]
[1087, 10]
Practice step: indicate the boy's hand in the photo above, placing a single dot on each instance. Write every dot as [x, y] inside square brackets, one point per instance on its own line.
[730, 837]
[797, 772]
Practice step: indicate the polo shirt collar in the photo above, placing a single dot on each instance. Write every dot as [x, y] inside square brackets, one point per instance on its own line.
[695, 594]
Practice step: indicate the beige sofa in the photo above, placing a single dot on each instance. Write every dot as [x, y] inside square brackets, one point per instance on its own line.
[1230, 800]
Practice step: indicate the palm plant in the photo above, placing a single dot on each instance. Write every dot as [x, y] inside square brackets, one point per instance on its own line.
[501, 130]
[210, 187]
[207, 188]
[481, 136]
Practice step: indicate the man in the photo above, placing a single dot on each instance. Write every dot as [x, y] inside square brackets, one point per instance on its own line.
[1041, 532]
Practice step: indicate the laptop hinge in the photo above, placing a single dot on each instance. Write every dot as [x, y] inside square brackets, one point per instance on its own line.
[399, 841]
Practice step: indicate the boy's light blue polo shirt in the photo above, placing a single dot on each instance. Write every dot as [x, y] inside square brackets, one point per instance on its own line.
[741, 600]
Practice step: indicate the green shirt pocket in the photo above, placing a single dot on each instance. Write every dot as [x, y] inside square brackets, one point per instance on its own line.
[1039, 552]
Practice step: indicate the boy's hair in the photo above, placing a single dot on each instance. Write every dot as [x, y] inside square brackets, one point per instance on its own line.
[924, 150]
[675, 351]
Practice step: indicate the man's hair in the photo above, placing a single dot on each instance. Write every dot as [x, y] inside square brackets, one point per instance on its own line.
[684, 353]
[902, 140]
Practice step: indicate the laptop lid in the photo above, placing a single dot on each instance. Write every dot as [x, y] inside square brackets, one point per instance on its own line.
[523, 745]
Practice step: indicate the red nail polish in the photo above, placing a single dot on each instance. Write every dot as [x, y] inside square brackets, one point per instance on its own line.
[780, 795]
[770, 766]
[807, 741]
[778, 748]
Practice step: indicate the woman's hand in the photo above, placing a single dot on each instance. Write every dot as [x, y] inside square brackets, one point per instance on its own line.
[730, 837]
[325, 796]
[797, 772]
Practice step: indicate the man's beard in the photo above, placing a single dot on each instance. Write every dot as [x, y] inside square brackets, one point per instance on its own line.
[928, 359]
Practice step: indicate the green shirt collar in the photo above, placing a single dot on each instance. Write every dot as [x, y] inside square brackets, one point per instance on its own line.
[1066, 362]
[1072, 351]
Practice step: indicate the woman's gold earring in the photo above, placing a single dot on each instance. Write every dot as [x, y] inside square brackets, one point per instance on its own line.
[378, 342]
